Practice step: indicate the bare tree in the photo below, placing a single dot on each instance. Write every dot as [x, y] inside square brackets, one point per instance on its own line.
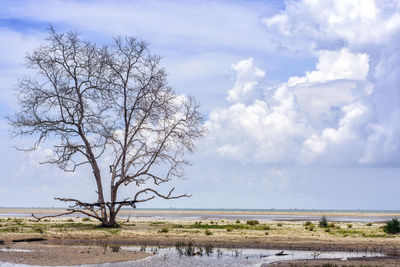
[109, 101]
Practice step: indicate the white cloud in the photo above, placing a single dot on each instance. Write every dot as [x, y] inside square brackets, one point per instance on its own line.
[326, 116]
[246, 80]
[355, 22]
[345, 111]
[336, 65]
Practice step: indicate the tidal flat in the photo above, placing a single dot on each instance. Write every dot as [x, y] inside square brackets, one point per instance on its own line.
[73, 241]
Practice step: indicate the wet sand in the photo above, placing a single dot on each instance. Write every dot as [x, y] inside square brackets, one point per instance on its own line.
[56, 255]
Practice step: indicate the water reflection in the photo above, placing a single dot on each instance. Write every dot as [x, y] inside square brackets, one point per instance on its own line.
[228, 257]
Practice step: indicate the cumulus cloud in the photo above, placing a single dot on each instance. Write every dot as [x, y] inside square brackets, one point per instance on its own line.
[336, 65]
[327, 22]
[246, 80]
[344, 111]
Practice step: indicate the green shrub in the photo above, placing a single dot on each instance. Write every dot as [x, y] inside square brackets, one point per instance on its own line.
[349, 225]
[237, 221]
[265, 227]
[307, 223]
[369, 224]
[279, 224]
[392, 227]
[208, 232]
[38, 229]
[164, 230]
[309, 226]
[323, 222]
[252, 222]
[229, 229]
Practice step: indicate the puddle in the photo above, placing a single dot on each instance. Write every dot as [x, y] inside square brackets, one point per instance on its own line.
[14, 250]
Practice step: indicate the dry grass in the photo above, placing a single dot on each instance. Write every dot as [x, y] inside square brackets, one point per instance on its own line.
[80, 227]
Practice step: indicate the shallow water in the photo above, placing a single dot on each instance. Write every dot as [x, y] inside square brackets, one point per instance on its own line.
[169, 256]
[233, 257]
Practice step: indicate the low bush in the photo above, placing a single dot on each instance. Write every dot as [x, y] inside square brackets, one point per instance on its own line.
[323, 222]
[164, 230]
[392, 227]
[252, 222]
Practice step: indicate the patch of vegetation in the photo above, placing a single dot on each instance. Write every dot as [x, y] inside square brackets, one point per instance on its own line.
[11, 229]
[280, 224]
[164, 230]
[349, 225]
[115, 248]
[38, 229]
[199, 225]
[18, 221]
[229, 229]
[253, 222]
[374, 235]
[86, 219]
[114, 231]
[190, 250]
[237, 221]
[208, 232]
[349, 232]
[392, 227]
[323, 222]
[369, 224]
[208, 249]
[77, 226]
[309, 226]
[156, 223]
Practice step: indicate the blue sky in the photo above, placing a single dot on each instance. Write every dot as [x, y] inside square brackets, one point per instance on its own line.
[300, 98]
